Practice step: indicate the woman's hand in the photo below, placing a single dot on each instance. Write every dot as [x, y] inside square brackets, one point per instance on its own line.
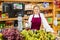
[55, 33]
[27, 28]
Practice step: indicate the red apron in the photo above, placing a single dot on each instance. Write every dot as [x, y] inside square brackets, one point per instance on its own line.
[36, 23]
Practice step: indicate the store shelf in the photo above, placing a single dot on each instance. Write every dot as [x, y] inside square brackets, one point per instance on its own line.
[12, 19]
[57, 9]
[50, 23]
[0, 9]
[8, 19]
[58, 19]
[29, 0]
[48, 15]
[49, 8]
[2, 0]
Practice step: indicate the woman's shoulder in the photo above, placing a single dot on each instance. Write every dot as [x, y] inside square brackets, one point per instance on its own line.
[41, 13]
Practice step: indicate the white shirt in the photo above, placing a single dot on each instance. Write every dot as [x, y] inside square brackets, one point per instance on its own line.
[44, 22]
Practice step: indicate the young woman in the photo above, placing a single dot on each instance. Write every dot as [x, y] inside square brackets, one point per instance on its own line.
[36, 19]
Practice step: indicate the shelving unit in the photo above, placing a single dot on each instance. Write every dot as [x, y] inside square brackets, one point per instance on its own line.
[57, 9]
[58, 18]
[28, 0]
[0, 9]
[49, 15]
[52, 7]
[56, 12]
[8, 19]
[49, 8]
[11, 19]
[0, 6]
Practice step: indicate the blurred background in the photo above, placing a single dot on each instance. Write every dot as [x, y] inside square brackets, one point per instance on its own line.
[10, 10]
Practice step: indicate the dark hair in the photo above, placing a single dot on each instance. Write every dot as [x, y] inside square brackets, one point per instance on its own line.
[36, 6]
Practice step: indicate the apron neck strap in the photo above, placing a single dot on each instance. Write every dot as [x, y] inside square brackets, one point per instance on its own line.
[38, 14]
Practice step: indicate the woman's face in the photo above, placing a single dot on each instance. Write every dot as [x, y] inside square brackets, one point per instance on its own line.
[36, 10]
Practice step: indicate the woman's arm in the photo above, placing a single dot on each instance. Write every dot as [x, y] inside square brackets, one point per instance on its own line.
[45, 24]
